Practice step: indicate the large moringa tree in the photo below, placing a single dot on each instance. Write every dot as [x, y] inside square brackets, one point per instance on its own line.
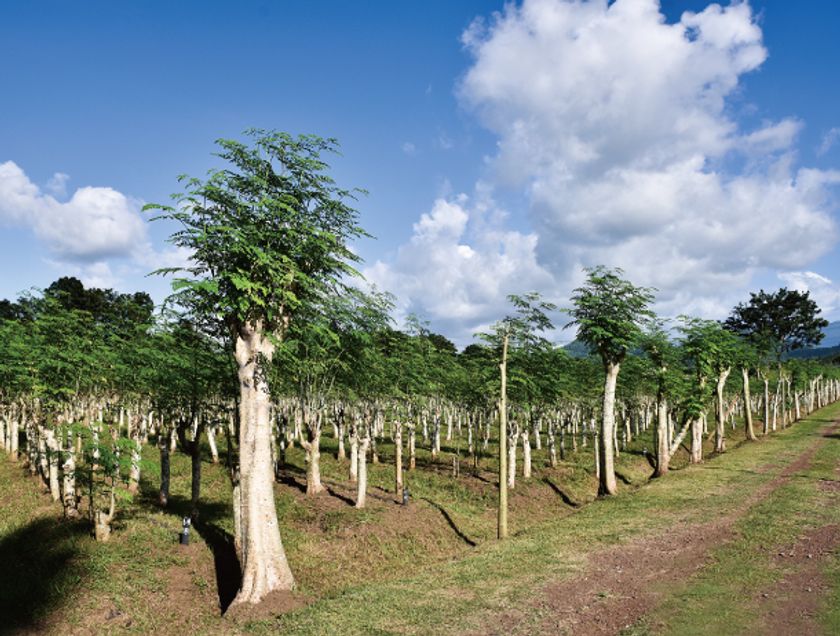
[609, 312]
[268, 236]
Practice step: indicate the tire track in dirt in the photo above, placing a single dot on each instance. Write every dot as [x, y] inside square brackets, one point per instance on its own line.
[623, 583]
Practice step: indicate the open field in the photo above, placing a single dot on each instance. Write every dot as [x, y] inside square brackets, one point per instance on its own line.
[744, 543]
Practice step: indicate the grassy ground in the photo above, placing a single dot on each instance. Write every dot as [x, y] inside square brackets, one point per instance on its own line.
[431, 567]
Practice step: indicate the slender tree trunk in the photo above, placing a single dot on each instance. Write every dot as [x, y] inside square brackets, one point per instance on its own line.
[361, 484]
[195, 466]
[134, 472]
[211, 440]
[412, 447]
[312, 446]
[264, 564]
[663, 444]
[526, 454]
[71, 509]
[354, 449]
[748, 420]
[513, 439]
[163, 446]
[398, 469]
[720, 419]
[606, 480]
[696, 454]
[502, 521]
[766, 423]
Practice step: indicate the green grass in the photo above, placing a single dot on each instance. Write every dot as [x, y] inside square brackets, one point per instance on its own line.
[434, 569]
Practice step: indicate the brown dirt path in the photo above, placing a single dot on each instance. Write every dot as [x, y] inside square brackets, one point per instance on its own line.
[792, 604]
[623, 583]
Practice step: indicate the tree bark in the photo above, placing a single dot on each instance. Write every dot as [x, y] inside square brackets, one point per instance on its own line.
[264, 564]
[502, 521]
[606, 478]
[163, 446]
[663, 445]
[361, 484]
[748, 420]
[398, 476]
[720, 415]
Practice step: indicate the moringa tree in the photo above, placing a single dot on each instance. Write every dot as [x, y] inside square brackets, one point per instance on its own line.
[609, 313]
[267, 236]
[515, 333]
[656, 343]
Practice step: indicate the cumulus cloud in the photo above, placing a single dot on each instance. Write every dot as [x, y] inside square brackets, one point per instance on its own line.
[94, 224]
[459, 266]
[822, 289]
[409, 148]
[616, 124]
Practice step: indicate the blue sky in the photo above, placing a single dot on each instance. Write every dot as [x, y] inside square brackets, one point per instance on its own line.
[430, 113]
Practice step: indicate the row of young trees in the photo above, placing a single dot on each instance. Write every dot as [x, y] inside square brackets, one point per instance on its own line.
[266, 343]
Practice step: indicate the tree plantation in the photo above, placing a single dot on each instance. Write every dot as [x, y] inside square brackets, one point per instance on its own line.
[330, 471]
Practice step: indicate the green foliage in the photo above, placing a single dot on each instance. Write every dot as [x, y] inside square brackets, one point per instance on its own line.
[267, 235]
[778, 322]
[609, 313]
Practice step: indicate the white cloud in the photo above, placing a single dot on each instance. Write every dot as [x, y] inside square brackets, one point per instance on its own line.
[615, 122]
[617, 127]
[822, 289]
[828, 141]
[95, 223]
[409, 148]
[459, 266]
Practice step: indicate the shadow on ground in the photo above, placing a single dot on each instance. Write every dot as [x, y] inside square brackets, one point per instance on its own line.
[38, 571]
[208, 525]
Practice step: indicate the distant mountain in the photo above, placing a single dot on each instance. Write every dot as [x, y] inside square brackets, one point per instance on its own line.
[577, 349]
[832, 335]
[829, 347]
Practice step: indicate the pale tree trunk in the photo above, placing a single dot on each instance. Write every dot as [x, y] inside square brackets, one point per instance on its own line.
[134, 471]
[513, 439]
[211, 440]
[720, 419]
[526, 454]
[53, 453]
[354, 448]
[312, 445]
[696, 454]
[552, 451]
[663, 444]
[339, 433]
[361, 484]
[102, 519]
[264, 564]
[606, 479]
[71, 509]
[748, 421]
[412, 447]
[766, 424]
[502, 521]
[398, 472]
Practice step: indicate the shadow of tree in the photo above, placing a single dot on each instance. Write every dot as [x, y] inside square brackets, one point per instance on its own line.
[211, 516]
[566, 499]
[38, 571]
[451, 522]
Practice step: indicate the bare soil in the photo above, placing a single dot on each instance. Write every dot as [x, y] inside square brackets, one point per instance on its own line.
[623, 583]
[790, 606]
